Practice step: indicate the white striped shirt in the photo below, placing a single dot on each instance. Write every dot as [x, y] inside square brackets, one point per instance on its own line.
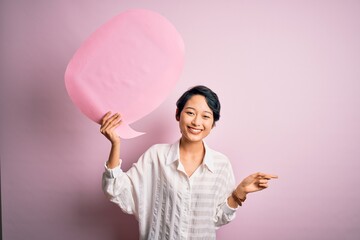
[167, 203]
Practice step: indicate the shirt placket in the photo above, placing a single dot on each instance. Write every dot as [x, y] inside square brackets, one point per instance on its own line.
[186, 207]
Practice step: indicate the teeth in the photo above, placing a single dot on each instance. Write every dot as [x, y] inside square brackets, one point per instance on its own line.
[194, 130]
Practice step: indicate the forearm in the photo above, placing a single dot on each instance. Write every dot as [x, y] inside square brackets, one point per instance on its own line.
[232, 203]
[114, 156]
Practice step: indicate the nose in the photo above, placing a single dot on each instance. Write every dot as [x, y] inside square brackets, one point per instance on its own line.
[196, 120]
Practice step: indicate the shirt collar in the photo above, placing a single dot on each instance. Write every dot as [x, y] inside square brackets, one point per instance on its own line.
[174, 155]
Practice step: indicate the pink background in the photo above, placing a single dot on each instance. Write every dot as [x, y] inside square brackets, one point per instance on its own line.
[288, 76]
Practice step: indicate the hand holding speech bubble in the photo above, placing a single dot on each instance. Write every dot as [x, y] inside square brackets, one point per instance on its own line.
[129, 65]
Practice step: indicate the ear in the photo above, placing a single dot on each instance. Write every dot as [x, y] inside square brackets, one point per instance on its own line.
[177, 115]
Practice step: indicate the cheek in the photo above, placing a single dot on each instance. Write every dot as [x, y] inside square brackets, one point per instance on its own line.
[184, 118]
[210, 126]
[210, 123]
[182, 121]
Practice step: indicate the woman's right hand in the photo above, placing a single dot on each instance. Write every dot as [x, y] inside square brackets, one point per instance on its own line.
[108, 125]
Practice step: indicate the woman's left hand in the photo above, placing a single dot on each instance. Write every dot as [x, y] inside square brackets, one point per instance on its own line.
[253, 183]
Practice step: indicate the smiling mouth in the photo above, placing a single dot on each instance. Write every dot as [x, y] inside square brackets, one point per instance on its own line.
[194, 130]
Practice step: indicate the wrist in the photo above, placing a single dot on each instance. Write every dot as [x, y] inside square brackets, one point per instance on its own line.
[115, 143]
[240, 193]
[237, 199]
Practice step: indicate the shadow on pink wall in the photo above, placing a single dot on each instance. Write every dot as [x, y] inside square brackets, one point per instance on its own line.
[97, 213]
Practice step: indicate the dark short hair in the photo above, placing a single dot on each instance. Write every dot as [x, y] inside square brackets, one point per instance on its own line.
[212, 100]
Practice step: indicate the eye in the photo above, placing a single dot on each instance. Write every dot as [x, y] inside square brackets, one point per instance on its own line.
[207, 117]
[190, 113]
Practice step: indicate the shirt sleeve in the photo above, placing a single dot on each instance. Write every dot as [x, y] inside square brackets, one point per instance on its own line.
[225, 213]
[129, 189]
[119, 189]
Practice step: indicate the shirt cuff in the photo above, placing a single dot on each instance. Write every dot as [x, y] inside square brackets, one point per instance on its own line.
[227, 209]
[113, 172]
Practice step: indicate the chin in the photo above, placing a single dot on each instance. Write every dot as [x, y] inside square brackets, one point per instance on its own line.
[194, 138]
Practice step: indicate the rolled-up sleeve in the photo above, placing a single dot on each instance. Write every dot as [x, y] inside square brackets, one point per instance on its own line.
[119, 189]
[224, 213]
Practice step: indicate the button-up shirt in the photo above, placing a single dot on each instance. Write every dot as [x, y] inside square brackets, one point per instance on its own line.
[167, 203]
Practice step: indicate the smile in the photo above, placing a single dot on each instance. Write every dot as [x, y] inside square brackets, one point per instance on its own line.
[194, 130]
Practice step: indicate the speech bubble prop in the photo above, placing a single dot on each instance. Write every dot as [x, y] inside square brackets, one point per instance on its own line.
[129, 65]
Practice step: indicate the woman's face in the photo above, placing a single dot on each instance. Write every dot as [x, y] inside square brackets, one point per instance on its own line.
[196, 119]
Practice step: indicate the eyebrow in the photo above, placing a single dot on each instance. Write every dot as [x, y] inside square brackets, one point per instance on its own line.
[195, 110]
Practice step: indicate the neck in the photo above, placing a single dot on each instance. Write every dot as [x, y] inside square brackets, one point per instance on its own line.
[191, 147]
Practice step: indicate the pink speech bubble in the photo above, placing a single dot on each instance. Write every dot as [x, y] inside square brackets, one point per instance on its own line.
[129, 65]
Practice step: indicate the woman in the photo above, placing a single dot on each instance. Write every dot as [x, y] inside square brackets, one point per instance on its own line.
[183, 190]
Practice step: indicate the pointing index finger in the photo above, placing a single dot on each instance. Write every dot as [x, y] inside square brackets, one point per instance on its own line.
[268, 176]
